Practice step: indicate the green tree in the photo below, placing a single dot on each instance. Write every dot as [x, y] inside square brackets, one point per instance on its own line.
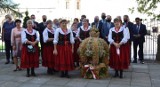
[7, 6]
[148, 7]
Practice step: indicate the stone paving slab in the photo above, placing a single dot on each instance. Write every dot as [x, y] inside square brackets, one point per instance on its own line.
[10, 84]
[138, 75]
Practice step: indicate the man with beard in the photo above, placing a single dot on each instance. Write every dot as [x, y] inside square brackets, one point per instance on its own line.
[42, 26]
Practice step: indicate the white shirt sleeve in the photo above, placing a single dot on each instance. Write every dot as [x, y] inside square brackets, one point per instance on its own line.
[37, 35]
[78, 32]
[71, 37]
[56, 35]
[126, 36]
[12, 38]
[110, 36]
[45, 36]
[23, 37]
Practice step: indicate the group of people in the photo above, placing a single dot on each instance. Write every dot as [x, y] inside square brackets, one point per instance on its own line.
[59, 44]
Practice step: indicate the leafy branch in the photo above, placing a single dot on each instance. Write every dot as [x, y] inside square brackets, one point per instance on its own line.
[7, 6]
[147, 7]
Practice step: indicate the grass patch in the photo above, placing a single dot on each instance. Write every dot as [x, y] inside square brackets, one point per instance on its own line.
[2, 47]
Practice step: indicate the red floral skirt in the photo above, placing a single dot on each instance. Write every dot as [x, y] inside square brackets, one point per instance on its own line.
[29, 60]
[64, 58]
[121, 61]
[48, 57]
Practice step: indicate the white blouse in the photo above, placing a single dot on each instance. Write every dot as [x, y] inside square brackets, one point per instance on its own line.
[78, 32]
[59, 30]
[23, 35]
[126, 35]
[45, 34]
[75, 32]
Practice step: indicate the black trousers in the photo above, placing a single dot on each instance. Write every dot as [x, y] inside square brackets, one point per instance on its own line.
[130, 44]
[8, 49]
[140, 51]
[42, 45]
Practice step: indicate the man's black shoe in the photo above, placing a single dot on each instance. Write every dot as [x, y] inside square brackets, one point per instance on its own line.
[142, 62]
[134, 61]
[7, 62]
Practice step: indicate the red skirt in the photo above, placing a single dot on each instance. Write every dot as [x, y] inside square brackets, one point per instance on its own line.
[48, 57]
[128, 49]
[29, 60]
[119, 62]
[64, 58]
[75, 54]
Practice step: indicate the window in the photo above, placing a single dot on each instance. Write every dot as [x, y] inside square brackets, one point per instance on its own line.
[78, 5]
[67, 4]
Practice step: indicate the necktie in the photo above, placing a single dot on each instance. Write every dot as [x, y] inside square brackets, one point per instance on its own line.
[96, 25]
[126, 24]
[137, 28]
[109, 25]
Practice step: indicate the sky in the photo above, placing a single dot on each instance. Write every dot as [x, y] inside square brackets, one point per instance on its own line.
[89, 7]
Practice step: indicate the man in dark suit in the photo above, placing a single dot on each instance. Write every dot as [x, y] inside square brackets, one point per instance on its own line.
[106, 27]
[35, 24]
[80, 23]
[129, 25]
[101, 22]
[139, 32]
[42, 26]
[96, 22]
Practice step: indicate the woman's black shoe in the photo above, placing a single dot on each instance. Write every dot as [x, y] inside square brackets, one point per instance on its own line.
[116, 73]
[62, 74]
[28, 75]
[121, 74]
[28, 72]
[49, 71]
[66, 74]
[33, 74]
[7, 62]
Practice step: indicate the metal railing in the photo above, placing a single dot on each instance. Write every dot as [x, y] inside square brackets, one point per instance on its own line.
[150, 45]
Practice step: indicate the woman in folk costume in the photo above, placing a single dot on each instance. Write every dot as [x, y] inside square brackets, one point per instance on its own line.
[16, 43]
[118, 37]
[83, 31]
[63, 49]
[128, 42]
[30, 50]
[48, 57]
[76, 45]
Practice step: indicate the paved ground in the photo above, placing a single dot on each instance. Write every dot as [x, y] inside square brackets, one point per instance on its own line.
[138, 75]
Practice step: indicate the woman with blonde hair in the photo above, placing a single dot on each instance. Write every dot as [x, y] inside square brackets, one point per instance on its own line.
[30, 50]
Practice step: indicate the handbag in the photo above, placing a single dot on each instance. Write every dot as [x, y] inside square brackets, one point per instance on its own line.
[31, 49]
